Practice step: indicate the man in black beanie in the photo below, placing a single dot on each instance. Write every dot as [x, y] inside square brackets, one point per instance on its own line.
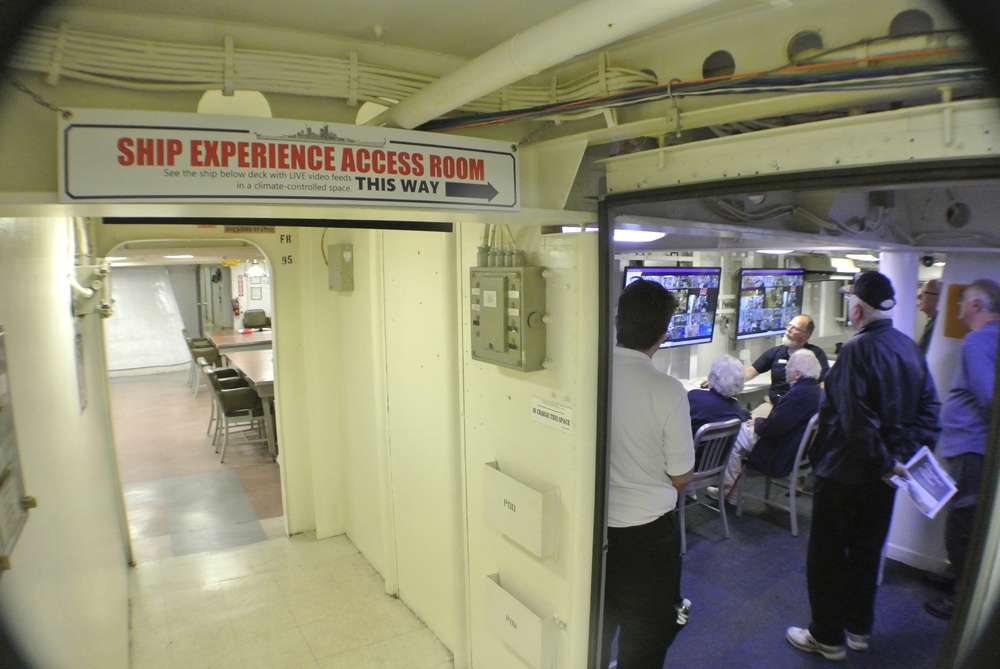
[880, 407]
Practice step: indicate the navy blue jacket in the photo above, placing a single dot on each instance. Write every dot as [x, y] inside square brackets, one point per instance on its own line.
[781, 431]
[880, 407]
[708, 406]
[775, 359]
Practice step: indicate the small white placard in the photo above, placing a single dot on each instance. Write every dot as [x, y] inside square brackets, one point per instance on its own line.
[553, 415]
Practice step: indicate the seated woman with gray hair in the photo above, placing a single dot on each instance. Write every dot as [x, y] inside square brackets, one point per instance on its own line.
[771, 442]
[718, 402]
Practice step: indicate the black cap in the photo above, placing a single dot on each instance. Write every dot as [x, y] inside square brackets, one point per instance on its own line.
[874, 289]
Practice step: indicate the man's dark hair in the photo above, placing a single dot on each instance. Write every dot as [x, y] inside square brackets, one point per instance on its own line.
[644, 311]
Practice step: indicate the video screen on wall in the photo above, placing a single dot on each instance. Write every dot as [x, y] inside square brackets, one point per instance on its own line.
[768, 300]
[697, 293]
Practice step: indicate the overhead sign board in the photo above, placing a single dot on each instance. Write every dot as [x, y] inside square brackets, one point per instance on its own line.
[126, 156]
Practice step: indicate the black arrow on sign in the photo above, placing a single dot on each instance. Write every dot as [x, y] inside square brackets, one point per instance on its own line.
[481, 191]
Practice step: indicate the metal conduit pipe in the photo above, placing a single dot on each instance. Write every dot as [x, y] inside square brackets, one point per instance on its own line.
[588, 26]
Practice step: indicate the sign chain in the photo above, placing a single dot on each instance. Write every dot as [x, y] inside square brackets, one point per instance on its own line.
[537, 131]
[65, 113]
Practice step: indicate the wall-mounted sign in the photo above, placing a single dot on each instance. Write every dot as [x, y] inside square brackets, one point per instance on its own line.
[554, 415]
[126, 156]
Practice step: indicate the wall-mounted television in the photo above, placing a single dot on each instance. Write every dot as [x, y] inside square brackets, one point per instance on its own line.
[697, 293]
[768, 300]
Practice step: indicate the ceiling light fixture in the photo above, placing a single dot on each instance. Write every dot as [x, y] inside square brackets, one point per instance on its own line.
[864, 257]
[255, 270]
[638, 236]
[775, 252]
[183, 256]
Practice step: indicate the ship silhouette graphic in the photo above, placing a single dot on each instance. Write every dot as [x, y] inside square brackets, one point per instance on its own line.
[324, 135]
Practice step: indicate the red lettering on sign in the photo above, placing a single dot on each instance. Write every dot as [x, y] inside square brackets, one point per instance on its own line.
[142, 151]
[465, 169]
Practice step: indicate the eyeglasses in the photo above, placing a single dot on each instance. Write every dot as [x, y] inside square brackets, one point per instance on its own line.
[792, 327]
[923, 295]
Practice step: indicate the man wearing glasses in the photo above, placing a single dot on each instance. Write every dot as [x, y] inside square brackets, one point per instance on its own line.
[774, 359]
[927, 302]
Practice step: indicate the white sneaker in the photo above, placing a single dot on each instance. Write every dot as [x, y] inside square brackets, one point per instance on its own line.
[712, 492]
[858, 642]
[801, 638]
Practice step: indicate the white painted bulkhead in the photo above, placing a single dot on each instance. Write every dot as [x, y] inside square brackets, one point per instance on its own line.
[385, 420]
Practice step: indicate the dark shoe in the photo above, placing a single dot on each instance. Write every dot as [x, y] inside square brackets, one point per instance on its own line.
[946, 580]
[941, 607]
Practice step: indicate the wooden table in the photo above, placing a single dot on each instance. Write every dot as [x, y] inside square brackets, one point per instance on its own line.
[257, 367]
[235, 340]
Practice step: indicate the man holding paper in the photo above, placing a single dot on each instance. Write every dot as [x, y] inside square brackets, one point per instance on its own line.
[880, 406]
[965, 422]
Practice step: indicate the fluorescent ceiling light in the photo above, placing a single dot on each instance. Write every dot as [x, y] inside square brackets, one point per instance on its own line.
[115, 258]
[638, 236]
[844, 265]
[939, 263]
[183, 256]
[865, 257]
[775, 252]
[635, 236]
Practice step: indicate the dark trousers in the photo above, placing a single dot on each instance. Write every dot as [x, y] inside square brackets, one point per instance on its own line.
[849, 526]
[967, 471]
[642, 582]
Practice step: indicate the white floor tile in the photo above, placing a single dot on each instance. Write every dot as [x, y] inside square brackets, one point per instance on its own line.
[286, 603]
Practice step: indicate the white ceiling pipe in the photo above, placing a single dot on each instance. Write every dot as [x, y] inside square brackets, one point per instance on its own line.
[588, 26]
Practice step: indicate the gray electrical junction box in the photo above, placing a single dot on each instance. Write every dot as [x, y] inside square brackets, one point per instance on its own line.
[508, 305]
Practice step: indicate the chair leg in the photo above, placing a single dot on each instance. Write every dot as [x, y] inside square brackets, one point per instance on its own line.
[740, 483]
[219, 419]
[211, 418]
[225, 439]
[792, 493]
[722, 510]
[681, 506]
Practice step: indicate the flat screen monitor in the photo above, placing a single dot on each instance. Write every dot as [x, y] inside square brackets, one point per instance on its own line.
[768, 300]
[697, 293]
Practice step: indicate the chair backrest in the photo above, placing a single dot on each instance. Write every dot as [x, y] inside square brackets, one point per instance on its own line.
[712, 444]
[802, 465]
[209, 353]
[232, 394]
[255, 318]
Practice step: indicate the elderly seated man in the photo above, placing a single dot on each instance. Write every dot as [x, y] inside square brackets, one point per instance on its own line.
[770, 442]
[718, 402]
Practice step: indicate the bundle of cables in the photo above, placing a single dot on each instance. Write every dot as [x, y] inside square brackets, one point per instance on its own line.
[813, 74]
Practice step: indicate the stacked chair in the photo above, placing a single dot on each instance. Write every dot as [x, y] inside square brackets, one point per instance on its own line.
[238, 410]
[200, 348]
[228, 378]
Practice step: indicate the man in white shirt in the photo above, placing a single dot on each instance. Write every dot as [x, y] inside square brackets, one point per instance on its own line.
[650, 459]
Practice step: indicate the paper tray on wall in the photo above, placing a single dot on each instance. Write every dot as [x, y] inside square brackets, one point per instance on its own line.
[525, 509]
[530, 635]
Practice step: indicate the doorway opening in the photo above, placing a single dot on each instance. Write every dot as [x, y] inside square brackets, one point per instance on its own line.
[179, 496]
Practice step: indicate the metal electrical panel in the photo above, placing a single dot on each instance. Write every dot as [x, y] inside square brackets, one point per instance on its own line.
[508, 305]
[341, 259]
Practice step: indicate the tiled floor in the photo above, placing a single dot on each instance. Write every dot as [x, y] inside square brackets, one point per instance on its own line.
[216, 582]
[179, 498]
